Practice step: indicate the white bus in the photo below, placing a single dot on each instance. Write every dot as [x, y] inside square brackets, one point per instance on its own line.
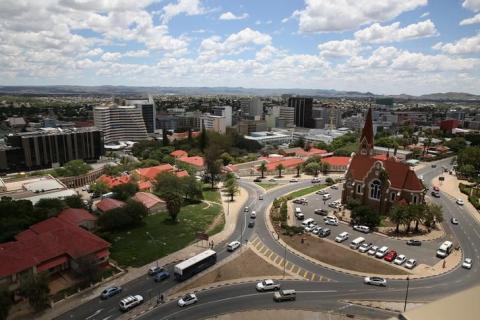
[445, 249]
[356, 243]
[194, 265]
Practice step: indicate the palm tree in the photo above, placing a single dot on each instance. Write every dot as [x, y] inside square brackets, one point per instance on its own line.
[397, 216]
[418, 214]
[279, 168]
[433, 214]
[298, 167]
[263, 168]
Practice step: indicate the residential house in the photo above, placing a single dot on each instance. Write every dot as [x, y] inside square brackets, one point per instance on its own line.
[153, 203]
[108, 204]
[79, 217]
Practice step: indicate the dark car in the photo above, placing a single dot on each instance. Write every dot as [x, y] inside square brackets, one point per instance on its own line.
[412, 242]
[323, 212]
[251, 224]
[110, 292]
[161, 276]
[325, 232]
[257, 179]
[435, 194]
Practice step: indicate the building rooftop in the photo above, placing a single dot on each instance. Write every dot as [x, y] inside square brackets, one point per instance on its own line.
[53, 131]
[76, 216]
[195, 161]
[149, 200]
[108, 204]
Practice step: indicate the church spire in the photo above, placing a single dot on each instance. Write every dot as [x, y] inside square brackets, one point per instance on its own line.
[366, 140]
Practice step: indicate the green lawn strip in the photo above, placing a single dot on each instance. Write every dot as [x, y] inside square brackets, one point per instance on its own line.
[211, 195]
[305, 191]
[135, 248]
[266, 186]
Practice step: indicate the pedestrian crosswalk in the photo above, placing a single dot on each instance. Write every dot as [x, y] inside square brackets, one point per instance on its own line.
[279, 261]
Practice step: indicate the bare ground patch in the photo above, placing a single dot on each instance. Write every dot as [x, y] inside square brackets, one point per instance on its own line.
[339, 256]
[247, 264]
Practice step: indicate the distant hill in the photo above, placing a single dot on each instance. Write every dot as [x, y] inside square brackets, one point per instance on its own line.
[143, 91]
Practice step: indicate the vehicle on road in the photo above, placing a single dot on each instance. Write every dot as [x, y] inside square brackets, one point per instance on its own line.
[257, 179]
[321, 192]
[365, 247]
[161, 276]
[251, 223]
[444, 249]
[335, 204]
[267, 285]
[130, 302]
[410, 264]
[246, 209]
[300, 201]
[253, 214]
[390, 256]
[434, 165]
[460, 202]
[435, 194]
[342, 237]
[375, 281]
[272, 180]
[332, 221]
[334, 187]
[413, 242]
[372, 251]
[294, 180]
[322, 212]
[188, 299]
[234, 245]
[260, 197]
[381, 252]
[154, 270]
[284, 295]
[467, 263]
[324, 232]
[110, 292]
[326, 196]
[300, 216]
[454, 221]
[356, 243]
[363, 229]
[194, 265]
[400, 259]
[315, 180]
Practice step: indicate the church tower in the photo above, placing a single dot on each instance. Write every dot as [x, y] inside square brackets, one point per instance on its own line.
[366, 140]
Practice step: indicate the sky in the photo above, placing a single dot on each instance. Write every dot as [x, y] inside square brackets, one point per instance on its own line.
[384, 47]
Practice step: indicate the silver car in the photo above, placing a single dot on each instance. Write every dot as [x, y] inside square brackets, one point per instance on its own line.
[375, 281]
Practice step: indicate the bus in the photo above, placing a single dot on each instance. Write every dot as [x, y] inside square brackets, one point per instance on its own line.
[445, 249]
[194, 265]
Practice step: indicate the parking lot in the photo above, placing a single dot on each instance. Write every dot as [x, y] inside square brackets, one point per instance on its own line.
[423, 254]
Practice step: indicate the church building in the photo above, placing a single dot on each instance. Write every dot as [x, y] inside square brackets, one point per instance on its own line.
[378, 181]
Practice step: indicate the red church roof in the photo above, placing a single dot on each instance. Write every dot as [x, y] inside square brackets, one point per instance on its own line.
[367, 132]
[337, 161]
[195, 161]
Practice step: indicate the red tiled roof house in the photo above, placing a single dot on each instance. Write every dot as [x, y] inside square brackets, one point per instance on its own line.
[79, 217]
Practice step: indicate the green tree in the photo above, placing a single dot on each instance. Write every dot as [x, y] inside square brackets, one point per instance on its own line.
[312, 168]
[174, 203]
[231, 186]
[213, 163]
[73, 168]
[126, 217]
[5, 303]
[324, 167]
[263, 168]
[467, 170]
[192, 188]
[300, 143]
[125, 191]
[166, 182]
[99, 188]
[363, 215]
[35, 289]
[89, 269]
[469, 156]
[298, 168]
[280, 168]
[74, 201]
[398, 216]
[226, 158]
[433, 214]
[383, 177]
[49, 207]
[456, 144]
[203, 139]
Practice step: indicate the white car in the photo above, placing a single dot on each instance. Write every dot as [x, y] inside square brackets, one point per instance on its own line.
[321, 192]
[365, 247]
[130, 302]
[253, 214]
[326, 196]
[372, 250]
[272, 180]
[363, 229]
[334, 187]
[400, 259]
[316, 230]
[460, 202]
[234, 245]
[188, 299]
[375, 281]
[316, 180]
[332, 221]
[410, 264]
[467, 263]
[342, 237]
[309, 228]
[294, 180]
[267, 285]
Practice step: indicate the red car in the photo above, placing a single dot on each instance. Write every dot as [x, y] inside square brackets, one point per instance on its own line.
[390, 256]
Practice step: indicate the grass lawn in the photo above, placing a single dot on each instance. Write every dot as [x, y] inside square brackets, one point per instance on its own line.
[267, 186]
[305, 191]
[211, 195]
[135, 248]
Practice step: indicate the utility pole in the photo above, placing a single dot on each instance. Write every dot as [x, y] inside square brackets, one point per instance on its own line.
[406, 295]
[241, 230]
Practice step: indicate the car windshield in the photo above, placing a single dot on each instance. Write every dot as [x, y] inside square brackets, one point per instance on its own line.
[187, 297]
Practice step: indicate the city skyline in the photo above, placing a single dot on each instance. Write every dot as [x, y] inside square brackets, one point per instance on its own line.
[413, 47]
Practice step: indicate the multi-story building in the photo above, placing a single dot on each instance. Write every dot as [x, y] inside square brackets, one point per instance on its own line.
[286, 117]
[214, 123]
[303, 116]
[251, 107]
[245, 127]
[148, 111]
[120, 123]
[223, 111]
[270, 138]
[50, 147]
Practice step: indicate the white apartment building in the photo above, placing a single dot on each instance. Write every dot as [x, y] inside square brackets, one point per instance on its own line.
[214, 123]
[224, 111]
[120, 123]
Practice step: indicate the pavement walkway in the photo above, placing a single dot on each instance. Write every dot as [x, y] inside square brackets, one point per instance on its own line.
[231, 211]
[282, 314]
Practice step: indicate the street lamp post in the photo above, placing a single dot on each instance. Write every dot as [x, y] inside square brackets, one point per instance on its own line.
[406, 295]
[153, 240]
[241, 230]
[284, 260]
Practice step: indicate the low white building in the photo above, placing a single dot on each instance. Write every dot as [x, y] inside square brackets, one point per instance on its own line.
[270, 138]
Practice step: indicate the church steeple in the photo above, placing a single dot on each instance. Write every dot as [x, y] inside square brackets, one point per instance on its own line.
[366, 140]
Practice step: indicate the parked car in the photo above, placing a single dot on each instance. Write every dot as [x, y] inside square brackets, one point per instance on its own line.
[299, 215]
[188, 299]
[332, 221]
[130, 302]
[272, 180]
[400, 259]
[309, 228]
[267, 285]
[316, 180]
[253, 214]
[381, 252]
[316, 230]
[251, 223]
[161, 276]
[234, 245]
[375, 281]
[454, 221]
[334, 187]
[284, 295]
[154, 270]
[326, 196]
[390, 256]
[410, 264]
[467, 263]
[110, 292]
[257, 179]
[342, 237]
[365, 247]
[372, 251]
[294, 180]
[460, 202]
[324, 232]
[322, 212]
[412, 242]
[363, 229]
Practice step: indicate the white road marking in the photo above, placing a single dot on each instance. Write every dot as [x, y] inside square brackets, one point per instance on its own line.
[93, 315]
[106, 318]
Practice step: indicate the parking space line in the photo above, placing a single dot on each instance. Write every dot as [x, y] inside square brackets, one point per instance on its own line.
[280, 262]
[255, 241]
[273, 256]
[258, 246]
[263, 250]
[306, 275]
[295, 269]
[314, 276]
[289, 266]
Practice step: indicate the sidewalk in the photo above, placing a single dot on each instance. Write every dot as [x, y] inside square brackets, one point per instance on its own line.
[133, 273]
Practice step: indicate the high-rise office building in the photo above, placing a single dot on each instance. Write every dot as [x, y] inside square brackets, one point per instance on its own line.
[286, 117]
[148, 112]
[50, 147]
[214, 123]
[303, 116]
[224, 111]
[120, 123]
[251, 107]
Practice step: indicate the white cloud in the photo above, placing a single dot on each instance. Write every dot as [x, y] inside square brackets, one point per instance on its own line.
[339, 48]
[233, 44]
[94, 52]
[230, 16]
[111, 56]
[463, 46]
[473, 20]
[473, 5]
[187, 7]
[425, 14]
[341, 15]
[137, 53]
[377, 33]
